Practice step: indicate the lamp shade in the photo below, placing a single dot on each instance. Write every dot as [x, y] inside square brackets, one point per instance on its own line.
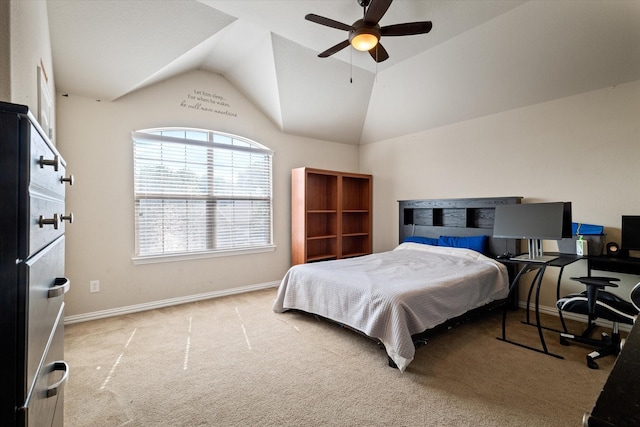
[364, 41]
[364, 37]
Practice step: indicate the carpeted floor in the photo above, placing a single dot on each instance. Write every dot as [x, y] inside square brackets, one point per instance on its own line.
[232, 361]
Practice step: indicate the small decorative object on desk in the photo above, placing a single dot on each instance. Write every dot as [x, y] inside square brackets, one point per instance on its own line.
[592, 235]
[582, 247]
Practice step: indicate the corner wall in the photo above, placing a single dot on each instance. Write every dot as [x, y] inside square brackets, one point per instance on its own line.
[95, 140]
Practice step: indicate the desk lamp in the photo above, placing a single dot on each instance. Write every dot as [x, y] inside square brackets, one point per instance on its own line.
[534, 222]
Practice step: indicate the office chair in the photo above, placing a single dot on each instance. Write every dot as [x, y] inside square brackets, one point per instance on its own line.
[595, 302]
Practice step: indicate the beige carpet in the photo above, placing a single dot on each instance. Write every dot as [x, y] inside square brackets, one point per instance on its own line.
[232, 361]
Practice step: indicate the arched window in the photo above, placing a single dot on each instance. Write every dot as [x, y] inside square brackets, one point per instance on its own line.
[200, 192]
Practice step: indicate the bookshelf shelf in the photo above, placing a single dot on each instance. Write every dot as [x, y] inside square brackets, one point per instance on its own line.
[331, 215]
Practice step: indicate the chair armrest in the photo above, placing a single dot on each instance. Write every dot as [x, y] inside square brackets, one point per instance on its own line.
[594, 284]
[597, 281]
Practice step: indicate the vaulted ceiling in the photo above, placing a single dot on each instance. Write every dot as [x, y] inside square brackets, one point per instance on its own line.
[480, 58]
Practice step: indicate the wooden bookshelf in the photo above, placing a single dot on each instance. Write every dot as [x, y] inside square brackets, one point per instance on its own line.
[330, 215]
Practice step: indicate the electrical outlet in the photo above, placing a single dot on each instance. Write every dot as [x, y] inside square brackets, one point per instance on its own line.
[94, 286]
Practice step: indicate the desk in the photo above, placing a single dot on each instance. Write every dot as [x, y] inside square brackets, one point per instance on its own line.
[619, 400]
[616, 264]
[540, 267]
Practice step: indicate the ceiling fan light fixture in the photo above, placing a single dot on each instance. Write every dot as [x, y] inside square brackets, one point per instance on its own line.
[364, 41]
[364, 37]
[365, 33]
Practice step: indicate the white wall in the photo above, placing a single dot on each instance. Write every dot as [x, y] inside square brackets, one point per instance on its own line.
[95, 139]
[584, 149]
[5, 52]
[29, 47]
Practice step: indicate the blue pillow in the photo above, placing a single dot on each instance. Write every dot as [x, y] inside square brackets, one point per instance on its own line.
[477, 243]
[423, 240]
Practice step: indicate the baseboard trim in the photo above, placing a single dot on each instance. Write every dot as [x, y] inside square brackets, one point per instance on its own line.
[552, 311]
[233, 291]
[85, 317]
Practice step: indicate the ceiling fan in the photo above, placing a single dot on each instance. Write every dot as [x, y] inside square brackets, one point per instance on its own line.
[365, 33]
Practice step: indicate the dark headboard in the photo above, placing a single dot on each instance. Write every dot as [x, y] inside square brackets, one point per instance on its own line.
[456, 217]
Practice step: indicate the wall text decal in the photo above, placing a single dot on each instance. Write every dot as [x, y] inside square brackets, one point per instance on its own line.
[203, 100]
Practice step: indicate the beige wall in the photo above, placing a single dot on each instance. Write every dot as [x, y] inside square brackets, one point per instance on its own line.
[584, 149]
[29, 47]
[95, 139]
[5, 51]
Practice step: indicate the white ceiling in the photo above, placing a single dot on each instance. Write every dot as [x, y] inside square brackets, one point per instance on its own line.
[481, 57]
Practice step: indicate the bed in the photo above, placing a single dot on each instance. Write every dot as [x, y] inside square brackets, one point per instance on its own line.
[442, 268]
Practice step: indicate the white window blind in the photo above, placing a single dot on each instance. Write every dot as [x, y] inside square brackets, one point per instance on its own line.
[200, 191]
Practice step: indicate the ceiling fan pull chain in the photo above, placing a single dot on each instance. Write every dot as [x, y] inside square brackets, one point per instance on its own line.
[376, 80]
[350, 66]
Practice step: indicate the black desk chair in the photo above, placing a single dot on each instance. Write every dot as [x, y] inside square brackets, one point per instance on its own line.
[595, 303]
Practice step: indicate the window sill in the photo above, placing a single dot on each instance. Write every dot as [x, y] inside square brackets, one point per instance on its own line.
[200, 255]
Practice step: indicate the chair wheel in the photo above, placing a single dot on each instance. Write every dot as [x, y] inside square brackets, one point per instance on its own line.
[591, 363]
[564, 341]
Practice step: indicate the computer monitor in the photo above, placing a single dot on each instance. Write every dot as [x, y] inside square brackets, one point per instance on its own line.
[535, 222]
[630, 233]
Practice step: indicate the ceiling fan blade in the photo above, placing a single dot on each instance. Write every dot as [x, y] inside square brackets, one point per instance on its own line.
[327, 22]
[407, 29]
[376, 11]
[334, 49]
[379, 53]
